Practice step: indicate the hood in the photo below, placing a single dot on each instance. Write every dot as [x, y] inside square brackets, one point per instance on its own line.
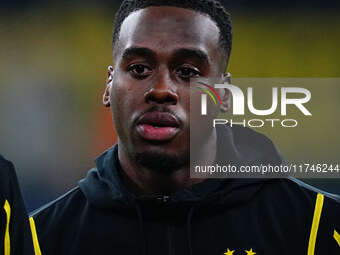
[103, 188]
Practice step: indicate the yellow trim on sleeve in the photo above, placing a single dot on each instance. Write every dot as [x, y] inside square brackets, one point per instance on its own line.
[315, 224]
[336, 237]
[7, 241]
[35, 237]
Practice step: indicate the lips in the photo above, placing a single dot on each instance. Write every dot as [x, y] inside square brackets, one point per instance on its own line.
[158, 126]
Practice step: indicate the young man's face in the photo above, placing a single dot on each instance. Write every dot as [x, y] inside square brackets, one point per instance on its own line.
[158, 51]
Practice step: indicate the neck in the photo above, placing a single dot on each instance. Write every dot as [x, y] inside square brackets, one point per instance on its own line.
[144, 181]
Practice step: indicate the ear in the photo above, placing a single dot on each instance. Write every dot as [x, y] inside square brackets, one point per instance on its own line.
[225, 94]
[107, 92]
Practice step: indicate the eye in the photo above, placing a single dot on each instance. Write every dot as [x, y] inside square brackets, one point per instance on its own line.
[140, 70]
[187, 72]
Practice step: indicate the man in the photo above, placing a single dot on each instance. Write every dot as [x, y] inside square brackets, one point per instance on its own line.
[15, 234]
[140, 198]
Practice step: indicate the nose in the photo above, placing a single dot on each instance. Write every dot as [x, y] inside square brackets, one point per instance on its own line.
[162, 92]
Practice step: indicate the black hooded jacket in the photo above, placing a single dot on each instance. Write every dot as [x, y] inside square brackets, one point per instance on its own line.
[15, 234]
[217, 216]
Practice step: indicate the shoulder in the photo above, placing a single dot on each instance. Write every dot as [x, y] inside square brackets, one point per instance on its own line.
[8, 180]
[14, 212]
[291, 198]
[57, 217]
[297, 191]
[325, 223]
[6, 169]
[50, 222]
[312, 190]
[326, 204]
[70, 201]
[301, 202]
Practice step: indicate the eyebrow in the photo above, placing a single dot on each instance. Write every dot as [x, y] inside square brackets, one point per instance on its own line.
[184, 53]
[138, 51]
[196, 54]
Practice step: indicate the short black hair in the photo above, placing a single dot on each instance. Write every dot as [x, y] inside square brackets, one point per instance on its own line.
[212, 8]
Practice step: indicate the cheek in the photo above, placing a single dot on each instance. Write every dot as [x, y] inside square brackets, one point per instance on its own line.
[118, 101]
[184, 102]
[125, 100]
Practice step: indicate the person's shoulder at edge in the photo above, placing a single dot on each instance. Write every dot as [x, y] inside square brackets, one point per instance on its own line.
[8, 180]
[6, 170]
[18, 239]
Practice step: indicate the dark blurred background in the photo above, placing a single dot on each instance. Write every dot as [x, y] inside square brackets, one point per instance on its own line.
[53, 61]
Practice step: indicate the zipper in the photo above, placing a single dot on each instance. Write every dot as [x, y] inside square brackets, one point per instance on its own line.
[170, 234]
[163, 199]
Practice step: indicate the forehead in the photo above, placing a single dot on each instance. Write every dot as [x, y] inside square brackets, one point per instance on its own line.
[164, 29]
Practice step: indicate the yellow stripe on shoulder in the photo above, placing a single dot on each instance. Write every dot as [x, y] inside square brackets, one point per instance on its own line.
[315, 224]
[7, 241]
[336, 237]
[35, 237]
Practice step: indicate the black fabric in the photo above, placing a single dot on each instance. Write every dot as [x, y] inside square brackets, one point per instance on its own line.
[19, 230]
[269, 216]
